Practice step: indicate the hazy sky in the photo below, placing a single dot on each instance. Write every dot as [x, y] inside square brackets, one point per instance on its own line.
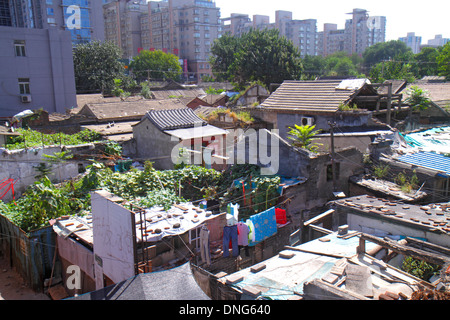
[426, 18]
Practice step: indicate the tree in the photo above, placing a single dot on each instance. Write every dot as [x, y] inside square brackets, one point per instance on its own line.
[384, 51]
[399, 68]
[417, 98]
[443, 60]
[156, 65]
[303, 137]
[340, 64]
[222, 56]
[96, 65]
[425, 63]
[259, 55]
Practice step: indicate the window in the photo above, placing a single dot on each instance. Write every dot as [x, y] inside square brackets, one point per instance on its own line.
[19, 47]
[24, 85]
[50, 12]
[194, 237]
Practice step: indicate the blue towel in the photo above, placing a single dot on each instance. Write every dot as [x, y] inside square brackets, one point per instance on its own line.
[265, 225]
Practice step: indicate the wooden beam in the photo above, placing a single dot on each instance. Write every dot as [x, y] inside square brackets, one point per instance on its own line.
[407, 251]
[318, 218]
[427, 245]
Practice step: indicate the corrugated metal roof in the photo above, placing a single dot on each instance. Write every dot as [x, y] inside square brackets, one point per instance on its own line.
[319, 95]
[428, 160]
[174, 119]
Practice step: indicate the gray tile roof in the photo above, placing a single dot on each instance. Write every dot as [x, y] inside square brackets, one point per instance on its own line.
[174, 119]
[319, 95]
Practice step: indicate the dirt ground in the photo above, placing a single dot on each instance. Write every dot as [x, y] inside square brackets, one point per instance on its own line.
[12, 286]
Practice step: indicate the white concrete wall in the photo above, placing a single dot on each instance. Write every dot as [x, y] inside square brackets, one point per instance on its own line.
[20, 166]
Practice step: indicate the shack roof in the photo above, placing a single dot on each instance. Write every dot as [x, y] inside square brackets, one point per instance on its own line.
[317, 96]
[284, 276]
[127, 110]
[177, 283]
[429, 160]
[432, 217]
[174, 119]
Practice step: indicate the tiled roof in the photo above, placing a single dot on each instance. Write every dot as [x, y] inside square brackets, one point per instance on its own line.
[128, 110]
[174, 119]
[319, 95]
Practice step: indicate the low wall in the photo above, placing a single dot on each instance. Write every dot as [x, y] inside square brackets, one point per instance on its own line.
[20, 166]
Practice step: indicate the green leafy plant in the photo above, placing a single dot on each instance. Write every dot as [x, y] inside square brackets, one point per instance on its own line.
[112, 148]
[419, 268]
[407, 183]
[302, 137]
[381, 171]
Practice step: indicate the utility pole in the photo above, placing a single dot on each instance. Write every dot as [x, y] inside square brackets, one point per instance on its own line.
[333, 166]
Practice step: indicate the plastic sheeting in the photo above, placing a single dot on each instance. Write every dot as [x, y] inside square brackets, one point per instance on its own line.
[174, 284]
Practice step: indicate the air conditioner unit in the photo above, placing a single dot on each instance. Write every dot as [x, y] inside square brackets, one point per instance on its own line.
[307, 121]
[25, 98]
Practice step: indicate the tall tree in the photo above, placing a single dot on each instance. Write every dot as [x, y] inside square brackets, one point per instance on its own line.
[443, 60]
[222, 56]
[384, 51]
[259, 55]
[156, 65]
[425, 62]
[96, 65]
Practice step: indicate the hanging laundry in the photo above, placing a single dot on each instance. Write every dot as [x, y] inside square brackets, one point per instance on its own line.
[264, 224]
[243, 231]
[232, 214]
[280, 215]
[230, 233]
[205, 252]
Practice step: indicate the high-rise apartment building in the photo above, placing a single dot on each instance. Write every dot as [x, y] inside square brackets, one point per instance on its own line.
[83, 18]
[412, 41]
[123, 25]
[360, 32]
[302, 33]
[186, 28]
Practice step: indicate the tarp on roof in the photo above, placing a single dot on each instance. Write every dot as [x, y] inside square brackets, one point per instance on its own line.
[428, 160]
[174, 284]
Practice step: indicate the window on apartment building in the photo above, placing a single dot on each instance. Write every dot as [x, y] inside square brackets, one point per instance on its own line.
[24, 86]
[19, 47]
[196, 19]
[50, 12]
[49, 1]
[206, 13]
[196, 11]
[197, 49]
[207, 35]
[196, 35]
[206, 20]
[197, 27]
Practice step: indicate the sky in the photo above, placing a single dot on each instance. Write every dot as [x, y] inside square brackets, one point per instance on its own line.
[426, 18]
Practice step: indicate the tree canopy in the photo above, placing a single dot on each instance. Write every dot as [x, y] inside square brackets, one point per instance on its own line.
[443, 60]
[156, 65]
[259, 55]
[96, 65]
[383, 51]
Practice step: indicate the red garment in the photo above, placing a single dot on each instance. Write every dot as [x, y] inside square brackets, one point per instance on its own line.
[280, 215]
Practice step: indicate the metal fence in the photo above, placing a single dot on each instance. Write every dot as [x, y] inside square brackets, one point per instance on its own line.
[31, 255]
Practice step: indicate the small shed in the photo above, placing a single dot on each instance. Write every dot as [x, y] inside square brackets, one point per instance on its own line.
[161, 134]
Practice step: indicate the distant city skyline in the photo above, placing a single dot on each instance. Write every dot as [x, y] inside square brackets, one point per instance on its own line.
[402, 17]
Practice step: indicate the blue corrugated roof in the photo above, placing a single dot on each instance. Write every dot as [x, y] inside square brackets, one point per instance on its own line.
[429, 160]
